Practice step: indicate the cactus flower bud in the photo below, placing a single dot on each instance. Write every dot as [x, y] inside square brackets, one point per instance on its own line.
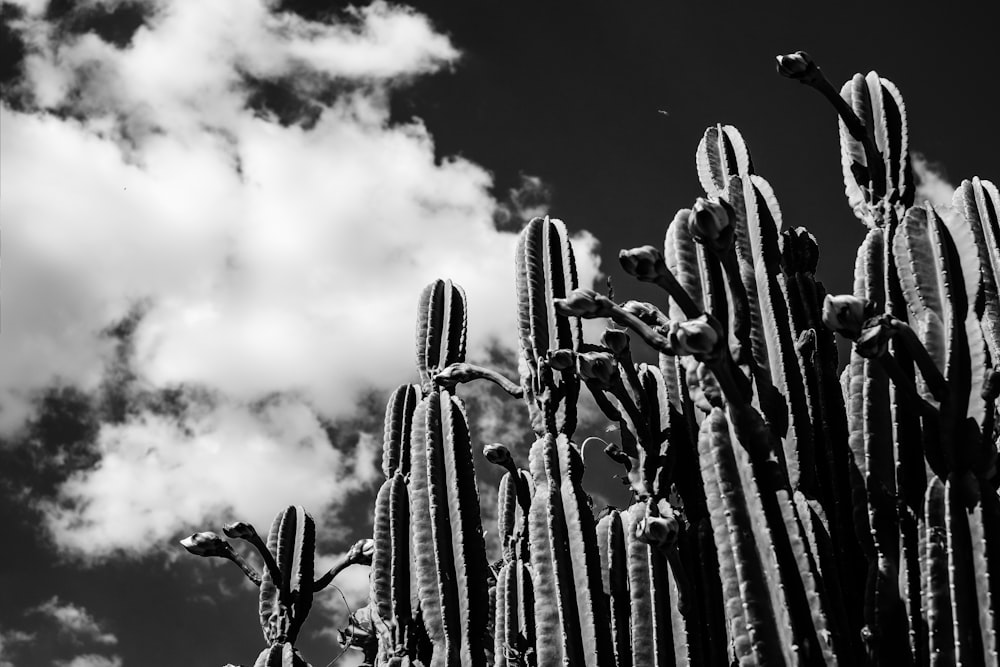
[583, 303]
[695, 337]
[646, 312]
[361, 552]
[846, 314]
[615, 340]
[657, 531]
[498, 454]
[795, 65]
[562, 360]
[645, 263]
[241, 530]
[873, 342]
[598, 366]
[207, 544]
[711, 224]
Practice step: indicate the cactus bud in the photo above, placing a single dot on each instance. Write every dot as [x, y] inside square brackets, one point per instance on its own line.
[657, 531]
[845, 314]
[645, 312]
[645, 263]
[241, 530]
[795, 65]
[598, 366]
[498, 454]
[695, 337]
[361, 553]
[207, 544]
[615, 340]
[711, 224]
[562, 360]
[618, 455]
[873, 341]
[581, 303]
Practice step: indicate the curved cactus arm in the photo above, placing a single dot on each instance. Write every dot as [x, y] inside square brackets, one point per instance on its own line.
[722, 153]
[390, 560]
[245, 531]
[441, 329]
[210, 545]
[870, 166]
[459, 373]
[979, 202]
[360, 553]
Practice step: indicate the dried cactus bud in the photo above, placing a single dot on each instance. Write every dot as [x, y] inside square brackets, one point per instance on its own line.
[583, 303]
[711, 224]
[874, 339]
[598, 366]
[618, 455]
[615, 340]
[658, 531]
[645, 262]
[795, 65]
[845, 314]
[646, 312]
[498, 454]
[704, 389]
[696, 337]
[562, 360]
[207, 544]
[361, 553]
[241, 530]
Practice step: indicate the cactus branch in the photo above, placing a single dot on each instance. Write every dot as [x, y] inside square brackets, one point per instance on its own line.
[461, 372]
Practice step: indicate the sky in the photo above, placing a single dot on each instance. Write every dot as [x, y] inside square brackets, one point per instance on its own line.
[218, 218]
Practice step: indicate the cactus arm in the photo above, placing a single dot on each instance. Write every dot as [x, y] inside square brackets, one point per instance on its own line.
[937, 598]
[398, 426]
[441, 329]
[614, 561]
[423, 539]
[459, 373]
[751, 620]
[961, 491]
[979, 202]
[722, 153]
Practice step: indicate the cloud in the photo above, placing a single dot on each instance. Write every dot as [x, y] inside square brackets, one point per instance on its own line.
[159, 476]
[91, 660]
[75, 622]
[275, 251]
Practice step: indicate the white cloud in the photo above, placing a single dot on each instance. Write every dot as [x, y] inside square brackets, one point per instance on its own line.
[91, 660]
[158, 477]
[273, 259]
[75, 622]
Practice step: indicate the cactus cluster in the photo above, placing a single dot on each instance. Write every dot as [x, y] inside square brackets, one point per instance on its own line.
[781, 512]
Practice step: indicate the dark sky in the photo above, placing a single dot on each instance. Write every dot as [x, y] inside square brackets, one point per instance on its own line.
[569, 93]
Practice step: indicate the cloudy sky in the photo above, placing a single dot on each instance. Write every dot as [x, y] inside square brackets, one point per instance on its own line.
[218, 216]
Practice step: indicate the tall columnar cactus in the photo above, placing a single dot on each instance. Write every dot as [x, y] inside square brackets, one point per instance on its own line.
[546, 270]
[779, 514]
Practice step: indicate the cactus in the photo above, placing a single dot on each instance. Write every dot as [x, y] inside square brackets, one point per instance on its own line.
[779, 514]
